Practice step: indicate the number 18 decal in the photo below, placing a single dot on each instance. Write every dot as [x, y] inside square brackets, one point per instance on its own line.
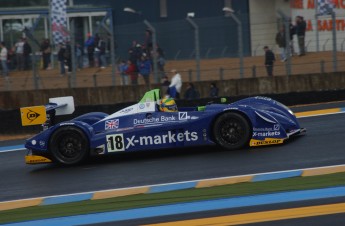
[115, 142]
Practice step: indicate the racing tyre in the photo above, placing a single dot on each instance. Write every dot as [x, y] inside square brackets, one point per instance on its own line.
[69, 145]
[232, 131]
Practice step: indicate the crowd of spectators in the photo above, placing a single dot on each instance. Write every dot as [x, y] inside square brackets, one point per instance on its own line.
[140, 62]
[16, 57]
[298, 29]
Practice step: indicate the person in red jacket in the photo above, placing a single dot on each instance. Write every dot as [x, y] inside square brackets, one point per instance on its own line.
[132, 72]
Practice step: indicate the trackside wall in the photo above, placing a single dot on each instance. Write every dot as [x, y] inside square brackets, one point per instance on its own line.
[234, 87]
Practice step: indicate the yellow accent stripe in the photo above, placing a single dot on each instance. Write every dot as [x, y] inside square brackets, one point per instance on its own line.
[264, 216]
[318, 112]
[118, 193]
[20, 204]
[223, 181]
[323, 171]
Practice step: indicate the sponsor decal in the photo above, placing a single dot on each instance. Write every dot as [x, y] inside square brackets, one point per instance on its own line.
[267, 141]
[67, 124]
[266, 134]
[149, 120]
[42, 143]
[148, 104]
[124, 129]
[153, 120]
[126, 110]
[266, 129]
[182, 116]
[116, 142]
[112, 124]
[263, 98]
[142, 106]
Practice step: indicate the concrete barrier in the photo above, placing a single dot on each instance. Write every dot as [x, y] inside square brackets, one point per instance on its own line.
[234, 87]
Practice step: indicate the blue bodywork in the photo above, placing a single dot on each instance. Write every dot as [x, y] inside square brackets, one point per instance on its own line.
[143, 127]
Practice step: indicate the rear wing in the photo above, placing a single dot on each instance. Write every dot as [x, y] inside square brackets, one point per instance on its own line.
[36, 115]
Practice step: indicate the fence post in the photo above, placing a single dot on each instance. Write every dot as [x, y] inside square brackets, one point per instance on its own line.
[221, 74]
[287, 41]
[254, 71]
[322, 66]
[94, 80]
[190, 74]
[197, 46]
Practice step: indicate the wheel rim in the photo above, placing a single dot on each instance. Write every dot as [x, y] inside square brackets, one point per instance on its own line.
[232, 131]
[70, 146]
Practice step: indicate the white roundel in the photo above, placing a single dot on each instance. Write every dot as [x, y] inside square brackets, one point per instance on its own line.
[33, 142]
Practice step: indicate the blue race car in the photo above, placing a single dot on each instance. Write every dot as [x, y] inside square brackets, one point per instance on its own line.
[254, 121]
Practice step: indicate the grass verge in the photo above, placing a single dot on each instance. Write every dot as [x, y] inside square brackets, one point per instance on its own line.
[188, 195]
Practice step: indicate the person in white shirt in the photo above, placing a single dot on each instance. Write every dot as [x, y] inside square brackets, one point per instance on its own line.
[19, 47]
[175, 85]
[3, 59]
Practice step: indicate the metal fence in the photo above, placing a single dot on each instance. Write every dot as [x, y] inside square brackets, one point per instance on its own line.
[219, 53]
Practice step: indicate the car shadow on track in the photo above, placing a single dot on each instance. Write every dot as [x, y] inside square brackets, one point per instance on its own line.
[162, 155]
[144, 156]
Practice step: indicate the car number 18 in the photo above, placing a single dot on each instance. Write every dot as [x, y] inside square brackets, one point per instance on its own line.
[115, 142]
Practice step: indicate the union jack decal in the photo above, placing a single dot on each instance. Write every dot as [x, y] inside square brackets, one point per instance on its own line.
[112, 124]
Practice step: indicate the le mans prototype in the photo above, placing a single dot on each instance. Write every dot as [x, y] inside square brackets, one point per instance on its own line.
[253, 121]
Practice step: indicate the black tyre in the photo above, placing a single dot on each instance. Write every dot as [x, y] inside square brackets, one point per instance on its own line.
[232, 131]
[69, 145]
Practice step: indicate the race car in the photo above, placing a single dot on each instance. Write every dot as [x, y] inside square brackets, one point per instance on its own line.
[253, 121]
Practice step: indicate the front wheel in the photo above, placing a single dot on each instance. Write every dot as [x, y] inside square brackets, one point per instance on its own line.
[69, 145]
[232, 131]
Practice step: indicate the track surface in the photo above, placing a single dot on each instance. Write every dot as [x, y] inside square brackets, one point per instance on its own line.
[323, 145]
[332, 219]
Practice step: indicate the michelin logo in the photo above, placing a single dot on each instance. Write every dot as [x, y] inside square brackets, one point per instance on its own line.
[168, 138]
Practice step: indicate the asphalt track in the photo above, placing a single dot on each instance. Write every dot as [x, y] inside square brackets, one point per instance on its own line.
[330, 219]
[322, 146]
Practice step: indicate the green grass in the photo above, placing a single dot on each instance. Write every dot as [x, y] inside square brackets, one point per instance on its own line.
[188, 195]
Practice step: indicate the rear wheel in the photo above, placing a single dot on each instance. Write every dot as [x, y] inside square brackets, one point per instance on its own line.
[69, 145]
[232, 131]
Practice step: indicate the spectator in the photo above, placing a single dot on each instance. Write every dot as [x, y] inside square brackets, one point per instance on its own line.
[11, 59]
[165, 85]
[79, 55]
[148, 41]
[122, 69]
[102, 46]
[191, 93]
[292, 33]
[161, 64]
[301, 26]
[61, 58]
[132, 72]
[68, 56]
[3, 58]
[175, 85]
[269, 61]
[281, 42]
[90, 46]
[144, 68]
[96, 53]
[26, 54]
[213, 90]
[19, 50]
[46, 54]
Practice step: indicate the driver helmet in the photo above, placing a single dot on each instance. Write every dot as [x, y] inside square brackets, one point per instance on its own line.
[167, 105]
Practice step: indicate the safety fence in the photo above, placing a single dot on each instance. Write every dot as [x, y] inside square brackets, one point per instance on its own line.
[220, 69]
